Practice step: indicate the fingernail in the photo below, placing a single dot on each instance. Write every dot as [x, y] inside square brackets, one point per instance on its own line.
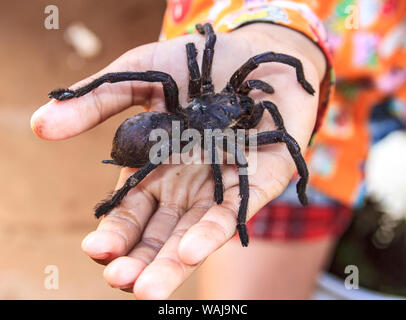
[101, 256]
[38, 121]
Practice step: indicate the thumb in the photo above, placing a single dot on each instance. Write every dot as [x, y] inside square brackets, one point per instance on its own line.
[58, 120]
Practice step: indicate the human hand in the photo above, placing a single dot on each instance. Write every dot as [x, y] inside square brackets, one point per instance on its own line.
[169, 223]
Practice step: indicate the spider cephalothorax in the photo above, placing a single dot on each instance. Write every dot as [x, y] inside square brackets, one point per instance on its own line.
[230, 109]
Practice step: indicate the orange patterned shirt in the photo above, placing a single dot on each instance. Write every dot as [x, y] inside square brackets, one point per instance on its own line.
[364, 42]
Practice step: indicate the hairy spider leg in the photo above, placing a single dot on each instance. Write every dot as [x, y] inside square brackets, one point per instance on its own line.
[249, 85]
[109, 204]
[291, 143]
[293, 148]
[218, 183]
[238, 77]
[111, 162]
[218, 179]
[277, 136]
[170, 87]
[208, 54]
[257, 113]
[273, 110]
[242, 166]
[195, 81]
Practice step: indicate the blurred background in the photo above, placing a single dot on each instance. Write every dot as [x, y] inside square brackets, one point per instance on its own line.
[48, 191]
[48, 188]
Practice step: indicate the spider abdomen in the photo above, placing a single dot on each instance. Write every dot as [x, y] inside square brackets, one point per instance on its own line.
[132, 143]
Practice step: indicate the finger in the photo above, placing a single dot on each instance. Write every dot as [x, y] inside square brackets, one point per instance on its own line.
[173, 202]
[118, 232]
[63, 119]
[167, 272]
[218, 225]
[123, 271]
[159, 228]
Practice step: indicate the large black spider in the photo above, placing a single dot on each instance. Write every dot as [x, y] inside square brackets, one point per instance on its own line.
[230, 109]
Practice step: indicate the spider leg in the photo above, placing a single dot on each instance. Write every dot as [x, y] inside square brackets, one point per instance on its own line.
[257, 113]
[277, 136]
[280, 135]
[238, 77]
[249, 85]
[195, 80]
[111, 162]
[218, 179]
[273, 110]
[242, 165]
[169, 86]
[218, 183]
[109, 204]
[293, 148]
[208, 54]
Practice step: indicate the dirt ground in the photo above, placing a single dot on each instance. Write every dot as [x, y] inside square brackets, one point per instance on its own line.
[49, 188]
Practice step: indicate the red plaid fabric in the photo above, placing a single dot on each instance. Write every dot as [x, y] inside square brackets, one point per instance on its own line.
[287, 222]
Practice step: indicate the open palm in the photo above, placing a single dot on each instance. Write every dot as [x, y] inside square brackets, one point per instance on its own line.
[167, 225]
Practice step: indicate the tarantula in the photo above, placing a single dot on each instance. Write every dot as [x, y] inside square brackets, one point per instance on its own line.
[230, 109]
